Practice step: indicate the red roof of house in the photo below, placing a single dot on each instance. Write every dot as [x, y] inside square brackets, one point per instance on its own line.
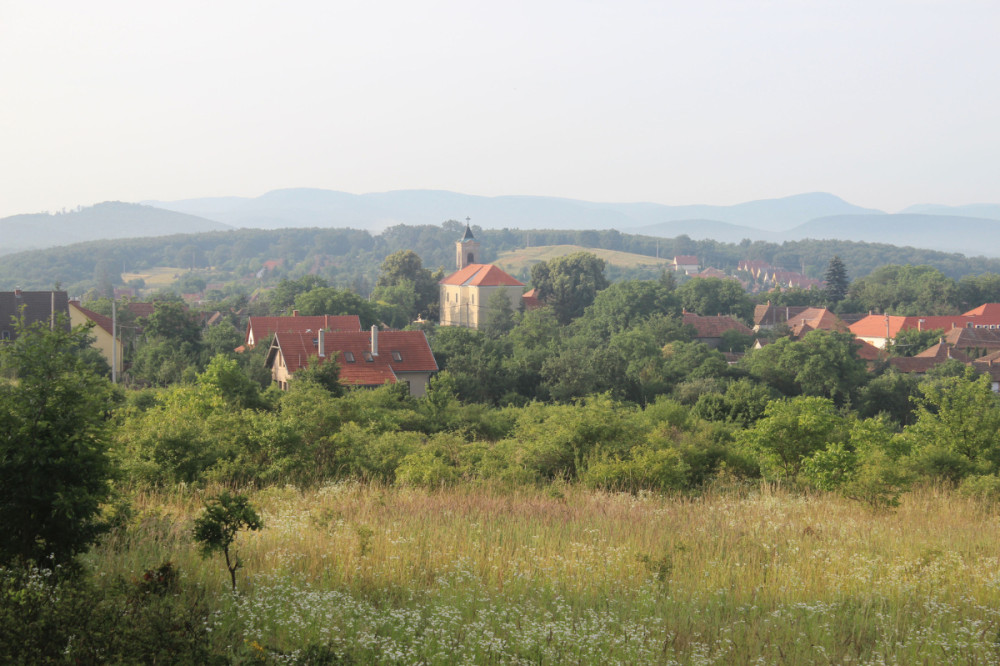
[928, 358]
[264, 327]
[141, 310]
[104, 322]
[531, 300]
[985, 310]
[869, 352]
[874, 326]
[482, 275]
[686, 260]
[714, 327]
[769, 315]
[817, 319]
[410, 347]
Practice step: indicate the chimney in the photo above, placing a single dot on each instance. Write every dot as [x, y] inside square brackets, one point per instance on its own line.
[295, 313]
[920, 324]
[17, 292]
[322, 343]
[374, 340]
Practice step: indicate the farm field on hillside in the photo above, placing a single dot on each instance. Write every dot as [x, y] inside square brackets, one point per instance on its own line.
[159, 277]
[517, 260]
[373, 574]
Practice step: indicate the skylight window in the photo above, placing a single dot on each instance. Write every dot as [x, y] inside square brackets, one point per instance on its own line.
[369, 358]
[396, 356]
[349, 357]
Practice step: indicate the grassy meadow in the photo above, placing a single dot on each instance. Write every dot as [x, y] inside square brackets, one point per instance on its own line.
[524, 258]
[356, 573]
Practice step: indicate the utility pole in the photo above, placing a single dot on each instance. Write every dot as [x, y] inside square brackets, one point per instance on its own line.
[114, 341]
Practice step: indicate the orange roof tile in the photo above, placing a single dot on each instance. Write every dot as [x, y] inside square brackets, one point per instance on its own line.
[985, 310]
[264, 327]
[482, 275]
[410, 347]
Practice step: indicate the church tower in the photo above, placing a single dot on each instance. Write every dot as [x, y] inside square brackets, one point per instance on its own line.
[467, 249]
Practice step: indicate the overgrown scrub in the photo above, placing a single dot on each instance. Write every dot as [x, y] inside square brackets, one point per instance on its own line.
[369, 573]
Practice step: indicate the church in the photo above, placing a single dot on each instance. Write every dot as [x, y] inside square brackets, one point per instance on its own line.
[465, 294]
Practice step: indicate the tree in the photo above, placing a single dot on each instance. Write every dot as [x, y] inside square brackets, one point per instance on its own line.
[823, 363]
[714, 296]
[405, 267]
[333, 301]
[907, 290]
[54, 469]
[836, 280]
[792, 431]
[569, 284]
[499, 320]
[216, 528]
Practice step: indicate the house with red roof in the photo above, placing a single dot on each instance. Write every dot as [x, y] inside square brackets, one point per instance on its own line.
[105, 341]
[262, 328]
[927, 359]
[710, 329]
[466, 293]
[882, 328]
[686, 263]
[813, 319]
[366, 358]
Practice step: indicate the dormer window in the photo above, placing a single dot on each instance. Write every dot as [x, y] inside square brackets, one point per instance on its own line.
[396, 356]
[369, 358]
[349, 357]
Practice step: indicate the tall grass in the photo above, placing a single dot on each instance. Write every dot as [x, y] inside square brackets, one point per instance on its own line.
[491, 576]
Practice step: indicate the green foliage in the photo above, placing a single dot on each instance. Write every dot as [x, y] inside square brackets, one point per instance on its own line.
[792, 431]
[54, 467]
[224, 378]
[416, 287]
[645, 468]
[906, 290]
[836, 280]
[715, 296]
[216, 528]
[325, 374]
[333, 301]
[823, 363]
[569, 284]
[957, 422]
[910, 342]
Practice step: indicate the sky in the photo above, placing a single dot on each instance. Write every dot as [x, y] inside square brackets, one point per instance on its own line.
[883, 103]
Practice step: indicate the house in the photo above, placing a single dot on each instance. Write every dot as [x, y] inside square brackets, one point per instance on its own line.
[366, 358]
[710, 329]
[713, 273]
[880, 329]
[686, 263]
[262, 328]
[530, 299]
[105, 339]
[813, 319]
[927, 359]
[36, 306]
[990, 365]
[768, 316]
[466, 293]
[974, 342]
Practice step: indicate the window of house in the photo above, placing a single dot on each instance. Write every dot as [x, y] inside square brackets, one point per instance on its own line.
[396, 356]
[5, 335]
[349, 357]
[368, 357]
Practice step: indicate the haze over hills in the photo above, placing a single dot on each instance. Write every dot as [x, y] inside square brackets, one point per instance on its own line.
[109, 220]
[376, 211]
[972, 230]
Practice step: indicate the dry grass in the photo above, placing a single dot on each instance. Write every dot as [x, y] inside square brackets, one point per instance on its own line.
[724, 578]
[159, 277]
[516, 260]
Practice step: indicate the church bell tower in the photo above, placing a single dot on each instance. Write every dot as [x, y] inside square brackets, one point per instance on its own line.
[467, 249]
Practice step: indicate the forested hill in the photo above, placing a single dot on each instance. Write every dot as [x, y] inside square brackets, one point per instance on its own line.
[112, 219]
[350, 257]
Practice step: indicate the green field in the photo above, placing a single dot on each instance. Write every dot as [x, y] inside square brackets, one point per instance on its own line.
[515, 261]
[742, 575]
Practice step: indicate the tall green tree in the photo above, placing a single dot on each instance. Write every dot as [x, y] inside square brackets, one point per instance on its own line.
[333, 301]
[569, 284]
[836, 280]
[405, 268]
[714, 296]
[54, 469]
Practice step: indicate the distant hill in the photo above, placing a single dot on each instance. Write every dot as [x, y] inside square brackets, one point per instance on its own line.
[377, 211]
[104, 221]
[984, 211]
[948, 233]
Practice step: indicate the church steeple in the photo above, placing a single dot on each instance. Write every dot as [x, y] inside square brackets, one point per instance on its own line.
[467, 249]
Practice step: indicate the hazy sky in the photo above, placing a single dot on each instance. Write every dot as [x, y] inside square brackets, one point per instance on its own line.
[883, 103]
